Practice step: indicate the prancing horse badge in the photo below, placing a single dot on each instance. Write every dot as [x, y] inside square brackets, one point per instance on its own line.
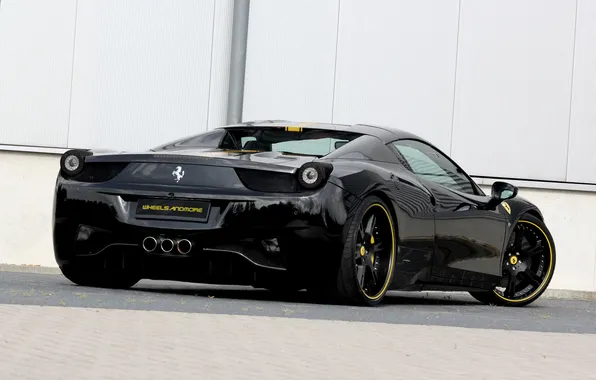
[178, 173]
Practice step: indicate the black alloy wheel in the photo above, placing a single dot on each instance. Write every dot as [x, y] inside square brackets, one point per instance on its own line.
[528, 265]
[368, 260]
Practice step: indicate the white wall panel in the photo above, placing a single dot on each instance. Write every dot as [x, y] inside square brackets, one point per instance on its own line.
[36, 47]
[396, 65]
[290, 60]
[513, 87]
[141, 72]
[581, 166]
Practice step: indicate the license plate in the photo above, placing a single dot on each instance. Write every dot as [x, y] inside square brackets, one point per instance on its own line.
[195, 211]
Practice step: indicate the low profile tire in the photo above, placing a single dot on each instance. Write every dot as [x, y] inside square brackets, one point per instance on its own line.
[368, 259]
[528, 265]
[100, 278]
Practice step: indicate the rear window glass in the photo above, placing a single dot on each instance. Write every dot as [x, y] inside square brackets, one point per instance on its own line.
[317, 142]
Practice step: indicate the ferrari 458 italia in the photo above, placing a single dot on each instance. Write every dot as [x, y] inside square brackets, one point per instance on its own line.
[345, 211]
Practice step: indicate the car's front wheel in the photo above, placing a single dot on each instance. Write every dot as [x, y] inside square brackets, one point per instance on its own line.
[368, 259]
[528, 265]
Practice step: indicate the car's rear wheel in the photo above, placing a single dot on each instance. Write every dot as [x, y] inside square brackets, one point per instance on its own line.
[368, 259]
[528, 265]
[117, 278]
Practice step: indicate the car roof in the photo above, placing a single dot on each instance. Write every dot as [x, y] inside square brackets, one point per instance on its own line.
[386, 134]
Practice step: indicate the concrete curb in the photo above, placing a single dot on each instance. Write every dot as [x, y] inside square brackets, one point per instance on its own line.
[29, 269]
[576, 295]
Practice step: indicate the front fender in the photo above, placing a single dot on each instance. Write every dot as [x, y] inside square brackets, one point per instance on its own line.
[515, 209]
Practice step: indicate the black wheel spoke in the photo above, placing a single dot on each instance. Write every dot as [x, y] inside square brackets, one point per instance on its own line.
[370, 225]
[375, 275]
[360, 274]
[361, 232]
[532, 278]
[538, 248]
[510, 290]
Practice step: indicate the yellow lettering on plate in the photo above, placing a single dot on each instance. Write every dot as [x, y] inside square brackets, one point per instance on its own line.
[173, 208]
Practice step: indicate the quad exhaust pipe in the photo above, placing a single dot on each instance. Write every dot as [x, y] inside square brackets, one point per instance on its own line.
[183, 246]
[149, 244]
[167, 245]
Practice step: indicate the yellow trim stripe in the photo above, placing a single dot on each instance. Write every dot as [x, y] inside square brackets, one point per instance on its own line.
[548, 274]
[392, 259]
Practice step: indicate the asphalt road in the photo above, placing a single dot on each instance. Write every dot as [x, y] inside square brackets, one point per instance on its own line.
[52, 329]
[437, 309]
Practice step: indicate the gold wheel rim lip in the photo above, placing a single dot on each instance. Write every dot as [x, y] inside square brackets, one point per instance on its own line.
[548, 273]
[391, 257]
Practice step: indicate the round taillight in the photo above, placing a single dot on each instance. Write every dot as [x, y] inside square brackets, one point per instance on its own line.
[312, 174]
[73, 162]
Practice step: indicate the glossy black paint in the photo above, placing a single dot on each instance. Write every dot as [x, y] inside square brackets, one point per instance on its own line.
[446, 239]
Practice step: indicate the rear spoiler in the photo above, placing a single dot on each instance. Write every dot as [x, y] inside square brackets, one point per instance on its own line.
[290, 164]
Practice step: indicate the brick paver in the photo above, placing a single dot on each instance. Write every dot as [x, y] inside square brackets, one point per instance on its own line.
[62, 342]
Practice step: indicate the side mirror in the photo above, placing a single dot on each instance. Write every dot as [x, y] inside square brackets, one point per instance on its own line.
[501, 191]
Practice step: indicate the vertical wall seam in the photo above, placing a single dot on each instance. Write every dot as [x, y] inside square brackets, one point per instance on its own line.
[594, 273]
[210, 68]
[571, 91]
[240, 25]
[335, 62]
[74, 40]
[455, 79]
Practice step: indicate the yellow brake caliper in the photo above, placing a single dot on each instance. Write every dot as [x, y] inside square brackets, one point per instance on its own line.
[372, 257]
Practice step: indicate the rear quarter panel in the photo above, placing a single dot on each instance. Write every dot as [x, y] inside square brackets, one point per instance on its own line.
[410, 205]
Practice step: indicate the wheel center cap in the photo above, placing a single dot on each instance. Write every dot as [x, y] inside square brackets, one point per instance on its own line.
[362, 251]
[513, 260]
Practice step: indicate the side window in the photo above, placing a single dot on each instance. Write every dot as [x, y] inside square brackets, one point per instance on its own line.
[428, 163]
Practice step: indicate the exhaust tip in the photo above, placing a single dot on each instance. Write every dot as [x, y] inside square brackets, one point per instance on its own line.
[149, 244]
[167, 245]
[184, 246]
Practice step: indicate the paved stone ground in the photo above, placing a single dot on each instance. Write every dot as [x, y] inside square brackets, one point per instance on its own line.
[51, 329]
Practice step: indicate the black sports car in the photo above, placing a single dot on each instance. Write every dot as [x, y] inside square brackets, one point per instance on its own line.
[348, 211]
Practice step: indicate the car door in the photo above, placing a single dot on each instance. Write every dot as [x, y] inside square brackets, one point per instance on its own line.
[468, 238]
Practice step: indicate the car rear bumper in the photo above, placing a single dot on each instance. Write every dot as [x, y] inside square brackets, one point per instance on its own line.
[273, 232]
